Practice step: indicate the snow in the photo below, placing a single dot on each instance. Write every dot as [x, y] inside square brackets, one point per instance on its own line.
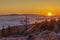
[13, 21]
[14, 38]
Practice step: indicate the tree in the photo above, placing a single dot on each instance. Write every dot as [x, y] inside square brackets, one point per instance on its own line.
[8, 30]
[3, 31]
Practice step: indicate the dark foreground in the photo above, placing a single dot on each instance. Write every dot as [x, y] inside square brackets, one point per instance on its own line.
[46, 30]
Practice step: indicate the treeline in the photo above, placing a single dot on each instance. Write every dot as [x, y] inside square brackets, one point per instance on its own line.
[10, 31]
[48, 24]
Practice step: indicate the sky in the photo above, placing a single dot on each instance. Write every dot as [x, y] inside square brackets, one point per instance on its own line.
[40, 7]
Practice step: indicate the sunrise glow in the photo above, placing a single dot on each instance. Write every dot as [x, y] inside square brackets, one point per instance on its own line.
[49, 14]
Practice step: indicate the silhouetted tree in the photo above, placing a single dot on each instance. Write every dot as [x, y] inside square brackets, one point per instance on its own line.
[44, 25]
[51, 25]
[58, 23]
[3, 31]
[8, 30]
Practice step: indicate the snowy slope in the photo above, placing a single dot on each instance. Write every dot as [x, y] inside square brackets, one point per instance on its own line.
[14, 20]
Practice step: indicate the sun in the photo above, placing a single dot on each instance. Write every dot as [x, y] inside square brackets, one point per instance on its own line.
[49, 14]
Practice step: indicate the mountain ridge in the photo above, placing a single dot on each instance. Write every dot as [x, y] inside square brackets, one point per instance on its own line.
[21, 15]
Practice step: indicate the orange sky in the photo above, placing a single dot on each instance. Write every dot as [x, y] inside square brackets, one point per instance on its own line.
[41, 7]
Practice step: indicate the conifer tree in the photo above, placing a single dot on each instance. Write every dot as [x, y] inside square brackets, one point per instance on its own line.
[3, 31]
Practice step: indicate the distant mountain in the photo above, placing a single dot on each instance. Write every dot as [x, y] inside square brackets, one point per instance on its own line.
[21, 15]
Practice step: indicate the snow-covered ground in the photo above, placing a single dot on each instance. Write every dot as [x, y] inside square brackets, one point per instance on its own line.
[14, 38]
[9, 20]
[41, 36]
[14, 21]
[18, 20]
